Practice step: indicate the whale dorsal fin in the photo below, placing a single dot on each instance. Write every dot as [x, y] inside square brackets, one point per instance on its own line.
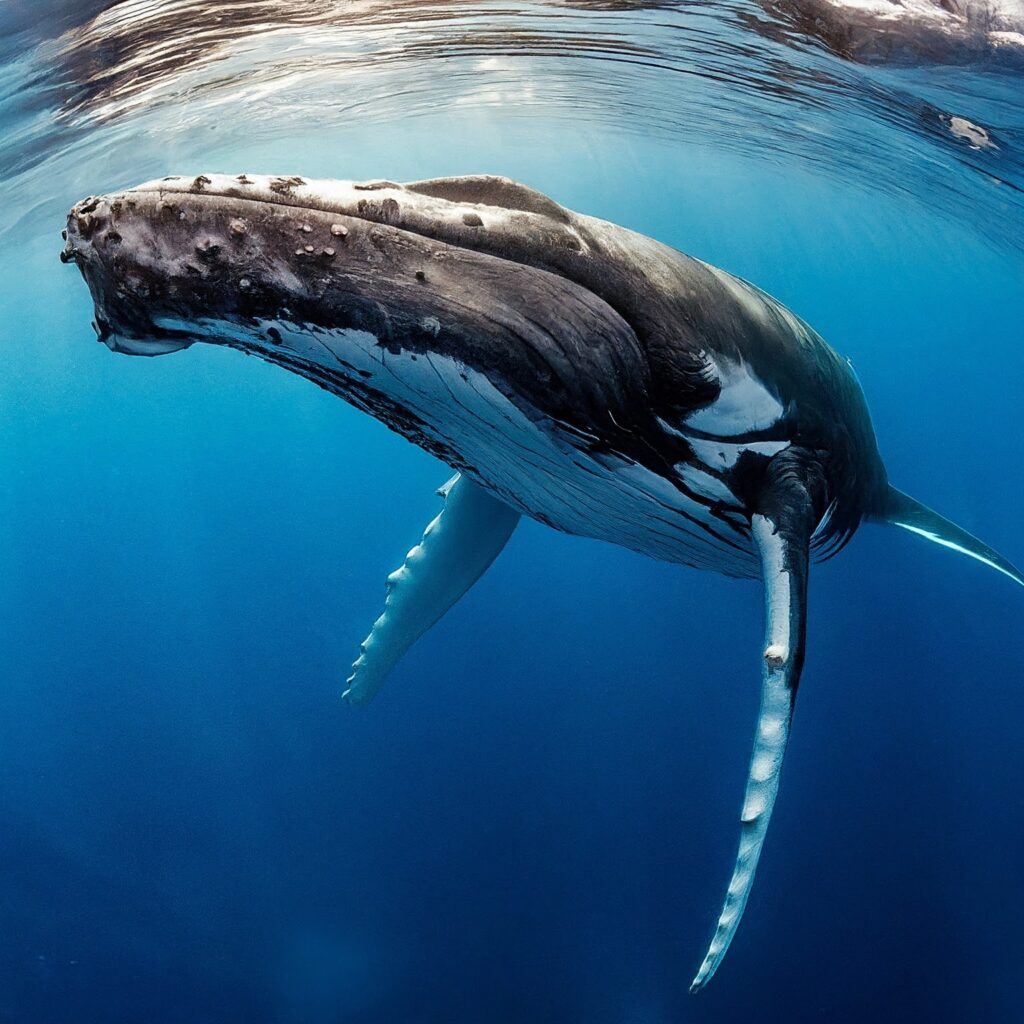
[781, 531]
[901, 510]
[456, 549]
[491, 190]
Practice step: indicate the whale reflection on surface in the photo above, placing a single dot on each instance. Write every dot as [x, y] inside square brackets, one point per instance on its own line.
[912, 31]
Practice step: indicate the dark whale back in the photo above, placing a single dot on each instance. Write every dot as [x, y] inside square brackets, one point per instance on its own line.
[688, 317]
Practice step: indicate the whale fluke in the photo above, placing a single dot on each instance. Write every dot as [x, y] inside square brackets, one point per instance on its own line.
[782, 539]
[901, 510]
[456, 549]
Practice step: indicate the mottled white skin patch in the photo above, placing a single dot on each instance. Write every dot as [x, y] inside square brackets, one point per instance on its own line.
[1009, 39]
[457, 548]
[977, 30]
[897, 9]
[723, 455]
[995, 18]
[769, 742]
[744, 404]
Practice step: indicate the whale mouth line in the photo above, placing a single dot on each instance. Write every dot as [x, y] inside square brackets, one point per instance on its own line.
[129, 336]
[147, 344]
[151, 339]
[127, 324]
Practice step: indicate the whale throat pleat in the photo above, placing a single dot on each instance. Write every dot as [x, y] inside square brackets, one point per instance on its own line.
[456, 549]
[784, 553]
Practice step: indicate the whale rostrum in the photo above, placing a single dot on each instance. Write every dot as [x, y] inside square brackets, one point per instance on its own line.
[567, 369]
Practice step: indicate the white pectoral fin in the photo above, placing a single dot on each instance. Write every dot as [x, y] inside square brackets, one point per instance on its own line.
[784, 559]
[456, 549]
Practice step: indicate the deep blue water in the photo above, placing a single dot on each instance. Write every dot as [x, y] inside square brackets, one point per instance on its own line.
[536, 819]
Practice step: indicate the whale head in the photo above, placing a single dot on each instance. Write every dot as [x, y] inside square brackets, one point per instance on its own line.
[180, 260]
[481, 271]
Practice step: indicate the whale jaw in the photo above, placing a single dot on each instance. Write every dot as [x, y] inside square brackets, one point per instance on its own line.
[240, 247]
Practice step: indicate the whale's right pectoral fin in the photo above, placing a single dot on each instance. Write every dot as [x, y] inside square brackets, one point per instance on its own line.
[456, 549]
[900, 509]
[781, 531]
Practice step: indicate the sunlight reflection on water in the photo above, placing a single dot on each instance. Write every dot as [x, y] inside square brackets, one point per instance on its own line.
[163, 77]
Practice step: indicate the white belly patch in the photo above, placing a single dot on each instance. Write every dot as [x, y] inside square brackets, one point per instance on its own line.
[531, 465]
[743, 405]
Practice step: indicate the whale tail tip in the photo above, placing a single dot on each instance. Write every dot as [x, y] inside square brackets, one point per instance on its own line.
[899, 509]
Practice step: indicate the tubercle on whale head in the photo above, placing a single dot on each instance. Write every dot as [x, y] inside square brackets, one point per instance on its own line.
[124, 289]
[453, 268]
[159, 263]
[215, 246]
[179, 250]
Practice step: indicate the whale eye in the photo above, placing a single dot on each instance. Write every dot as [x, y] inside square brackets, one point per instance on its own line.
[491, 190]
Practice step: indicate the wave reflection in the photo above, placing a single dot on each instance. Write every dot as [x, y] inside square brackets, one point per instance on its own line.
[150, 76]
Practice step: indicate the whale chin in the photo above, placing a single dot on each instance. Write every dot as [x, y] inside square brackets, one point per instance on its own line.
[129, 346]
[150, 339]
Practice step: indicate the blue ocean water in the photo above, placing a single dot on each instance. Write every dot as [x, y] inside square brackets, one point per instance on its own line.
[536, 819]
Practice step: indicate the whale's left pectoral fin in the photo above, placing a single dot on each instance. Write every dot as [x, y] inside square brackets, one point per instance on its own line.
[782, 537]
[456, 549]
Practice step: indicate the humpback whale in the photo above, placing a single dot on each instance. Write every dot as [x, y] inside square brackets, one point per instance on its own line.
[564, 367]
